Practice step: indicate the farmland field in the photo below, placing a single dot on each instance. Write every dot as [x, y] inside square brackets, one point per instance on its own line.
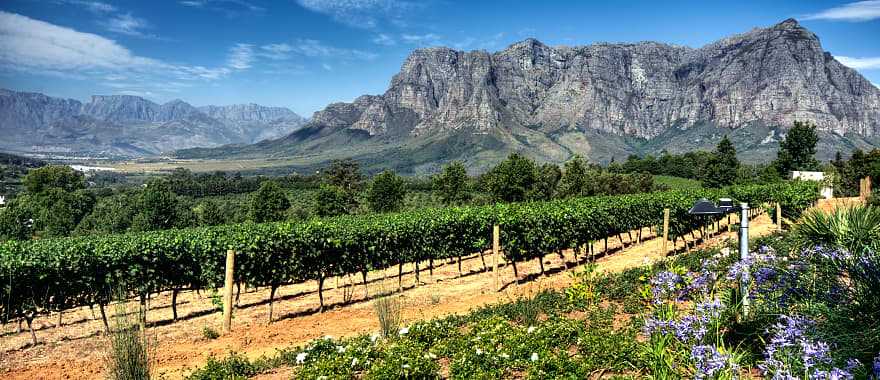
[76, 348]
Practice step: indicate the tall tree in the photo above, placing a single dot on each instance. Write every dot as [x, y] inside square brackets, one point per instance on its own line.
[721, 168]
[452, 184]
[512, 179]
[331, 200]
[574, 178]
[548, 180]
[54, 176]
[269, 203]
[345, 174]
[386, 192]
[157, 207]
[798, 150]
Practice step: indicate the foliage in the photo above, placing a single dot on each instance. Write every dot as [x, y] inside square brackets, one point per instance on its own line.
[156, 206]
[386, 192]
[548, 176]
[345, 174]
[76, 271]
[54, 177]
[797, 151]
[721, 168]
[210, 333]
[513, 179]
[130, 352]
[388, 312]
[452, 184]
[269, 204]
[574, 178]
[856, 229]
[331, 200]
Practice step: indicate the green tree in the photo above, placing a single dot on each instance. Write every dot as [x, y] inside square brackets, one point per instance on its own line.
[57, 212]
[345, 174]
[512, 179]
[548, 180]
[721, 169]
[386, 192]
[574, 181]
[269, 203]
[16, 220]
[331, 200]
[54, 176]
[452, 184]
[157, 207]
[209, 213]
[111, 214]
[798, 150]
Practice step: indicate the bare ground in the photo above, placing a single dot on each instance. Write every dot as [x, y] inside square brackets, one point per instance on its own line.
[76, 350]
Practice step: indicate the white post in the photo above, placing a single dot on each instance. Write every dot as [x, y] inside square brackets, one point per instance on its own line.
[744, 255]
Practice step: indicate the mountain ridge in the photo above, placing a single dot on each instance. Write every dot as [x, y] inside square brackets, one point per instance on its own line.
[131, 126]
[553, 102]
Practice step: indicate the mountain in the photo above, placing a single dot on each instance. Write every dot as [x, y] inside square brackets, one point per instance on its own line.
[131, 126]
[601, 101]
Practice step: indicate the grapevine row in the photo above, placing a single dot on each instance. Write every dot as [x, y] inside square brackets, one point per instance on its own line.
[53, 274]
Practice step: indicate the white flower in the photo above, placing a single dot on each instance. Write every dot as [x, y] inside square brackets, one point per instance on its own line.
[322, 377]
[534, 356]
[404, 330]
[374, 337]
[354, 361]
[405, 366]
[504, 355]
[340, 349]
[531, 329]
[328, 337]
[431, 355]
[301, 357]
[479, 351]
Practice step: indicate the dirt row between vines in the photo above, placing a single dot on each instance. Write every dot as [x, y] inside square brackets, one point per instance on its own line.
[76, 350]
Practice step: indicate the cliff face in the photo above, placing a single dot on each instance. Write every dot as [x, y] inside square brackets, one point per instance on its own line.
[600, 101]
[770, 76]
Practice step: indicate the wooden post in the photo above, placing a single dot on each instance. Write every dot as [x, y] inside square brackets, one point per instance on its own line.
[778, 216]
[496, 250]
[867, 187]
[665, 229]
[227, 291]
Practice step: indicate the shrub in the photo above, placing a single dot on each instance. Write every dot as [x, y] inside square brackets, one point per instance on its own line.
[210, 333]
[388, 311]
[130, 350]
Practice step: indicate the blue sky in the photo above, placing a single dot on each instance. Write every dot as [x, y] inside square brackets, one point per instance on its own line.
[304, 54]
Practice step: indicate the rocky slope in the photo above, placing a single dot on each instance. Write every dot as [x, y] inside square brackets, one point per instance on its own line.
[601, 101]
[122, 125]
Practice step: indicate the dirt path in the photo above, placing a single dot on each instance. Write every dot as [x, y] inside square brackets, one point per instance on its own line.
[76, 350]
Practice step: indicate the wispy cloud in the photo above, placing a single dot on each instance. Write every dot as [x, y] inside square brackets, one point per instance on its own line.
[92, 6]
[857, 11]
[384, 39]
[241, 56]
[421, 39]
[366, 14]
[231, 8]
[317, 49]
[39, 47]
[859, 63]
[128, 25]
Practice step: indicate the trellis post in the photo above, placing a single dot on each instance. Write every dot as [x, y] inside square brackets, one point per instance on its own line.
[227, 291]
[778, 216]
[665, 229]
[496, 250]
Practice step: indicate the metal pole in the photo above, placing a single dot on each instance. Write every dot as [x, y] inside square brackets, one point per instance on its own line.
[744, 255]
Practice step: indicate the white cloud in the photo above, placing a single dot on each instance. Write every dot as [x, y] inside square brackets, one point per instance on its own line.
[421, 39]
[859, 63]
[317, 49]
[128, 25]
[241, 56]
[92, 6]
[365, 14]
[276, 51]
[231, 8]
[384, 39]
[857, 11]
[41, 48]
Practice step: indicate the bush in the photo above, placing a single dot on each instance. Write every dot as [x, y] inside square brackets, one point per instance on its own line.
[209, 333]
[130, 352]
[388, 311]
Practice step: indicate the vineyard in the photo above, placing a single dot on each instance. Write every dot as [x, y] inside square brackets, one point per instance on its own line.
[54, 274]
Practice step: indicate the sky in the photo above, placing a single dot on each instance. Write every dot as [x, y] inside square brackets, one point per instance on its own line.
[305, 54]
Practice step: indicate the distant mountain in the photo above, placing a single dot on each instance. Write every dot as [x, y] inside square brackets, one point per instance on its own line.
[600, 101]
[131, 126]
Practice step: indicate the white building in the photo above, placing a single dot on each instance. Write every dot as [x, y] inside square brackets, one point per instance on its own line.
[2, 201]
[826, 190]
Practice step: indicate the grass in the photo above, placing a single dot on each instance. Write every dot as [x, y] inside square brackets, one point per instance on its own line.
[130, 351]
[388, 312]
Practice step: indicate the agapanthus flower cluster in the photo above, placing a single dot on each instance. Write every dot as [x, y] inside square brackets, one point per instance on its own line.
[875, 369]
[665, 285]
[709, 362]
[700, 283]
[793, 351]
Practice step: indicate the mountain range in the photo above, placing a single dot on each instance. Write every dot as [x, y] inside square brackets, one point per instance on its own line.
[603, 101]
[120, 126]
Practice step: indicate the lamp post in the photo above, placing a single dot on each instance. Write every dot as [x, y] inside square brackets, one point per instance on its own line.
[707, 208]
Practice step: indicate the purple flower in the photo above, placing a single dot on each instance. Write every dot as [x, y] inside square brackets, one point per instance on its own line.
[709, 362]
[876, 367]
[664, 284]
